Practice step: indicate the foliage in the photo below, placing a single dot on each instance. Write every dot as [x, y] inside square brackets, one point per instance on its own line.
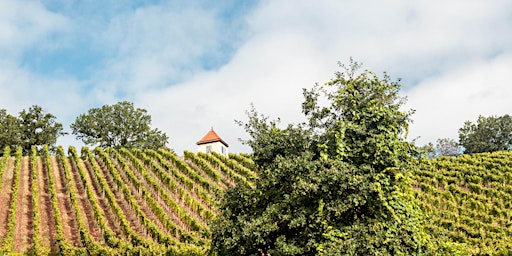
[468, 200]
[139, 202]
[489, 134]
[39, 128]
[34, 127]
[364, 123]
[3, 162]
[168, 199]
[10, 132]
[7, 244]
[118, 125]
[338, 184]
[447, 147]
[63, 246]
[428, 150]
[37, 244]
[443, 147]
[185, 168]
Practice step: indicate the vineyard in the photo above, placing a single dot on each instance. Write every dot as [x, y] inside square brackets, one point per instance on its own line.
[468, 201]
[113, 201]
[132, 201]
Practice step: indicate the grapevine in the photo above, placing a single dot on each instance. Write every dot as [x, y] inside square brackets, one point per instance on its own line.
[8, 239]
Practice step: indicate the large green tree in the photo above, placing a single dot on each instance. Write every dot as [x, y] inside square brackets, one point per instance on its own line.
[10, 131]
[487, 135]
[32, 127]
[338, 184]
[118, 125]
[39, 128]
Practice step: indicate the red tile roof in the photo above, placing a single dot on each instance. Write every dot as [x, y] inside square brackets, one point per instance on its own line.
[211, 136]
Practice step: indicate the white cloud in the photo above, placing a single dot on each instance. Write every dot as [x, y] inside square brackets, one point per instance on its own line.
[22, 89]
[155, 55]
[444, 103]
[269, 71]
[293, 46]
[26, 23]
[147, 47]
[157, 45]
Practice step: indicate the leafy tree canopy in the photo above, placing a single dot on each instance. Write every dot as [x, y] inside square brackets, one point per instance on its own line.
[337, 184]
[10, 131]
[32, 127]
[487, 135]
[447, 147]
[39, 128]
[443, 147]
[118, 125]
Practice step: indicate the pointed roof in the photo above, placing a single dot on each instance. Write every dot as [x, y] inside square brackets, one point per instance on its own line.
[210, 137]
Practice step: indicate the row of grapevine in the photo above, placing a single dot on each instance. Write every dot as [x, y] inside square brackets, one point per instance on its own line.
[230, 173]
[3, 167]
[246, 161]
[184, 217]
[236, 167]
[134, 237]
[214, 174]
[91, 245]
[8, 239]
[136, 244]
[159, 235]
[37, 241]
[3, 163]
[188, 184]
[160, 213]
[181, 192]
[185, 168]
[118, 201]
[155, 231]
[467, 201]
[62, 245]
[109, 236]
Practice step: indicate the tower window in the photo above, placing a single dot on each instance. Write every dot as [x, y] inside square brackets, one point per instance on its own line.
[208, 149]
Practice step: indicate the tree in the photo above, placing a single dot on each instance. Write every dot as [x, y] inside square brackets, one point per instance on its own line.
[118, 125]
[487, 135]
[338, 184]
[32, 127]
[10, 132]
[443, 147]
[38, 128]
[428, 150]
[447, 147]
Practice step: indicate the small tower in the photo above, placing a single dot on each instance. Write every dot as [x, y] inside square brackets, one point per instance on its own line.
[211, 142]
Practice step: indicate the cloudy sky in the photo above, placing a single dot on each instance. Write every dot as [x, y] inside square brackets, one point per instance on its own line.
[200, 64]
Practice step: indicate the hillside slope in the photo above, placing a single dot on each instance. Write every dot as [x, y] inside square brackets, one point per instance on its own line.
[113, 201]
[468, 201]
[145, 201]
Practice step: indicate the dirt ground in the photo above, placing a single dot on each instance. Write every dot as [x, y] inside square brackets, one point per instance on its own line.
[24, 221]
[66, 209]
[5, 195]
[47, 227]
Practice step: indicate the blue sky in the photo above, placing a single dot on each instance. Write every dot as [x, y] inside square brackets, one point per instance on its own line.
[200, 64]
[88, 42]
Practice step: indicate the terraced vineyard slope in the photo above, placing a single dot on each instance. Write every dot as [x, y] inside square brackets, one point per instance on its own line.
[109, 202]
[468, 201]
[125, 201]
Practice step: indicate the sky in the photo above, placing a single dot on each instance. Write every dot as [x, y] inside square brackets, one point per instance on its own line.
[197, 65]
